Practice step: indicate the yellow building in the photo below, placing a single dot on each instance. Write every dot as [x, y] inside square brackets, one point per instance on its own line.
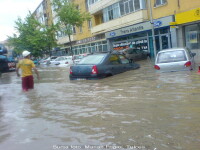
[84, 31]
[86, 42]
[186, 24]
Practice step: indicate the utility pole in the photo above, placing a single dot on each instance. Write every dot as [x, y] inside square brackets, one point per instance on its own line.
[152, 28]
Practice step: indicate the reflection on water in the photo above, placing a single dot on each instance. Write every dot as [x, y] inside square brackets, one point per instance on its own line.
[139, 109]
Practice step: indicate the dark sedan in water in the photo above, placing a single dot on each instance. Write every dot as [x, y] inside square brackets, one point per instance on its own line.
[101, 65]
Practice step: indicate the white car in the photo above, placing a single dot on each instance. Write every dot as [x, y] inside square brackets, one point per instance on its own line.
[62, 61]
[48, 60]
[175, 59]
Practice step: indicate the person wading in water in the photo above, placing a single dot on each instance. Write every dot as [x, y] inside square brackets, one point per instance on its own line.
[26, 65]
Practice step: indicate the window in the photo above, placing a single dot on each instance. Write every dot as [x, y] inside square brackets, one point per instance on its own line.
[192, 33]
[160, 2]
[81, 29]
[129, 6]
[122, 8]
[137, 5]
[171, 56]
[78, 7]
[114, 60]
[90, 2]
[89, 24]
[92, 59]
[111, 12]
[123, 59]
[74, 30]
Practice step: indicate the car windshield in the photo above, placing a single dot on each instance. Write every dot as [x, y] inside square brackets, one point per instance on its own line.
[92, 59]
[171, 56]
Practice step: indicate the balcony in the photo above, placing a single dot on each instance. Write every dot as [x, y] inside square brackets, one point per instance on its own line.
[98, 6]
[121, 22]
[65, 39]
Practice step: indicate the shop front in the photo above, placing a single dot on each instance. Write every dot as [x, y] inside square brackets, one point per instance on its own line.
[188, 24]
[139, 36]
[90, 45]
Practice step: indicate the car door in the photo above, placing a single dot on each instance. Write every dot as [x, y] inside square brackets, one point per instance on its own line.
[114, 64]
[126, 64]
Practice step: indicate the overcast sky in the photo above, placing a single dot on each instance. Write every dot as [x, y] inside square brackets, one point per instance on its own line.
[10, 10]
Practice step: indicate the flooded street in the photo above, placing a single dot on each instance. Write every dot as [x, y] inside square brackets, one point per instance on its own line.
[139, 110]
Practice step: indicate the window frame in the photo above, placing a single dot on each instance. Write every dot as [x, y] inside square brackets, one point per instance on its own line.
[160, 3]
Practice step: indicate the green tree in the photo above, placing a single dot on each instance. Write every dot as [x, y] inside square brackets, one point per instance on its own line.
[49, 38]
[69, 16]
[32, 36]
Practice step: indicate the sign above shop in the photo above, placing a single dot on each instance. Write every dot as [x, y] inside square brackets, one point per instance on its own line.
[188, 16]
[162, 22]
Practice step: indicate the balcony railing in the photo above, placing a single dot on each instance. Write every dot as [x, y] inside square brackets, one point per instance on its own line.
[123, 21]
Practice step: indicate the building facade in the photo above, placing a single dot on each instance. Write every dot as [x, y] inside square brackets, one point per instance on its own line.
[128, 23]
[136, 23]
[186, 25]
[188, 28]
[86, 42]
[150, 25]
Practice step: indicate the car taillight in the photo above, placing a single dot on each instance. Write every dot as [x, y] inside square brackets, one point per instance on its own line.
[94, 70]
[188, 64]
[70, 69]
[156, 67]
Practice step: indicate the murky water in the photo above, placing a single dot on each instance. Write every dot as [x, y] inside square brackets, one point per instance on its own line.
[139, 110]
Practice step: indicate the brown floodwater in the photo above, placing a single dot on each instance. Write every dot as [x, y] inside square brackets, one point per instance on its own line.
[139, 110]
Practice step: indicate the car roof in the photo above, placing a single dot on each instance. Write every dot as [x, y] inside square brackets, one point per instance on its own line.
[171, 49]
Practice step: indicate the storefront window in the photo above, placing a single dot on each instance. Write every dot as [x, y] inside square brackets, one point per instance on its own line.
[165, 42]
[192, 34]
[163, 31]
[105, 49]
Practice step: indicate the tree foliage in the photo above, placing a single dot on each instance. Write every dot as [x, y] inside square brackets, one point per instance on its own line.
[69, 16]
[32, 36]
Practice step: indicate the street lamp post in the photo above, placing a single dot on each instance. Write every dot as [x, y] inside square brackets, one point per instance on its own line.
[152, 28]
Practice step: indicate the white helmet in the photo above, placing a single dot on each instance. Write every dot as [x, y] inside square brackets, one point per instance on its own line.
[25, 53]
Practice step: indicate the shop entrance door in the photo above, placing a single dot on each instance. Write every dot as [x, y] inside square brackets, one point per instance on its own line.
[162, 42]
[165, 42]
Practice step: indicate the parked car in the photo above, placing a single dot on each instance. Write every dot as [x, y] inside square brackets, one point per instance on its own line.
[46, 61]
[175, 59]
[69, 60]
[77, 58]
[135, 54]
[101, 65]
[7, 64]
[62, 60]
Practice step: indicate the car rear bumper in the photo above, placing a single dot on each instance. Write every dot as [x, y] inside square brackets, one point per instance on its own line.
[94, 77]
